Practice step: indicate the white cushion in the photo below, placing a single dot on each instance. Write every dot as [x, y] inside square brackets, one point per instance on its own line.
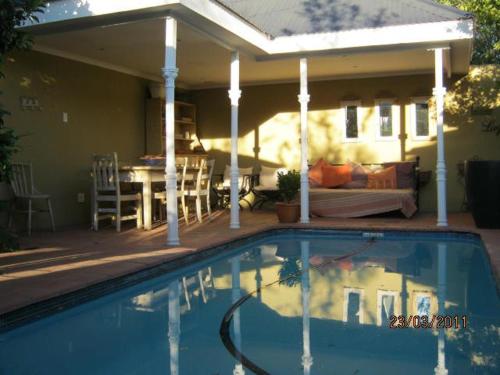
[268, 177]
[227, 176]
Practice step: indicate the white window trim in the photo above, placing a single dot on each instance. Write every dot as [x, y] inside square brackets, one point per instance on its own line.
[394, 113]
[344, 105]
[361, 293]
[413, 119]
[380, 294]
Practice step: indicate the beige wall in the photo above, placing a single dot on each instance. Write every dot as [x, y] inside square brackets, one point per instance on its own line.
[106, 113]
[269, 124]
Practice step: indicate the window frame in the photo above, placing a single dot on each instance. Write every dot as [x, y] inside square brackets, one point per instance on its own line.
[395, 132]
[361, 293]
[413, 120]
[432, 302]
[380, 294]
[344, 105]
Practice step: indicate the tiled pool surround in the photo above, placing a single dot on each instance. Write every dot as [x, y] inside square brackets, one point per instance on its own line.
[71, 260]
[62, 302]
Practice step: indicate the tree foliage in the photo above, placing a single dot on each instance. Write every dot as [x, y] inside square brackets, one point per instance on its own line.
[487, 28]
[13, 13]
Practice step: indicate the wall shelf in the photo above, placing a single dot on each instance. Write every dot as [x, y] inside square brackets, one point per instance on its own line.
[185, 127]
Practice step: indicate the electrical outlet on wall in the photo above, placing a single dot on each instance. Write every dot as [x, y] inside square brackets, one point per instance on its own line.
[65, 117]
[80, 198]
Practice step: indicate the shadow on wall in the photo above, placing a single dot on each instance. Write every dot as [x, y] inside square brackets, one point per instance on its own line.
[275, 140]
[472, 130]
[270, 132]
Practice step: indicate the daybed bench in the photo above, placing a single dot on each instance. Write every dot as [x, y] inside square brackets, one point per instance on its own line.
[357, 201]
[355, 198]
[346, 203]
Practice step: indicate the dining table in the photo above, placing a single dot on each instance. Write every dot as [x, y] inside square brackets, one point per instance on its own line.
[147, 175]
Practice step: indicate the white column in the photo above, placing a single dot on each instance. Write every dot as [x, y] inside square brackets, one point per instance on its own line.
[170, 74]
[236, 294]
[304, 169]
[439, 93]
[440, 369]
[174, 325]
[258, 273]
[234, 95]
[307, 359]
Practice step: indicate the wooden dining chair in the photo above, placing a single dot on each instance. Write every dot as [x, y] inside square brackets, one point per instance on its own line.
[200, 188]
[21, 180]
[107, 197]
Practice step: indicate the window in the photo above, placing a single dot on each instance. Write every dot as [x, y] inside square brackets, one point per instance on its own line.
[420, 119]
[353, 306]
[423, 304]
[386, 306]
[351, 124]
[351, 121]
[422, 116]
[386, 117]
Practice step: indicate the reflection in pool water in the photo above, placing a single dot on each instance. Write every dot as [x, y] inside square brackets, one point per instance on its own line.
[329, 315]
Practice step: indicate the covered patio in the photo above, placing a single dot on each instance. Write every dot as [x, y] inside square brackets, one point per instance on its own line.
[192, 46]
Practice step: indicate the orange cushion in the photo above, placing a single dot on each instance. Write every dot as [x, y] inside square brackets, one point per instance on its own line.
[336, 175]
[383, 179]
[316, 174]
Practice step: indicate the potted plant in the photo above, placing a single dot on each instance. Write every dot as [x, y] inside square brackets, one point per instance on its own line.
[288, 209]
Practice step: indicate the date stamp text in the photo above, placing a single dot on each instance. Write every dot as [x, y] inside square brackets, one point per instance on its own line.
[424, 321]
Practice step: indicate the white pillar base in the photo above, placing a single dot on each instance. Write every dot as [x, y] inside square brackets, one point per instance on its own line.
[442, 219]
[304, 197]
[235, 204]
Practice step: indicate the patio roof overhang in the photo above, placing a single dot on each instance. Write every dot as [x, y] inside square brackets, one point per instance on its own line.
[128, 36]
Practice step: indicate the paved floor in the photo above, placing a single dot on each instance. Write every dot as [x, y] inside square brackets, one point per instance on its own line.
[68, 260]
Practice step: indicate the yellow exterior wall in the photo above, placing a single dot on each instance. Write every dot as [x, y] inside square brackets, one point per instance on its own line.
[270, 119]
[106, 114]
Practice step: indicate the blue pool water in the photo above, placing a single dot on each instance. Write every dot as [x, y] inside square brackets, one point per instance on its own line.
[329, 314]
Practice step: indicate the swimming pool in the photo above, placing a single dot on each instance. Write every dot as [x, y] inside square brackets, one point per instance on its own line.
[291, 302]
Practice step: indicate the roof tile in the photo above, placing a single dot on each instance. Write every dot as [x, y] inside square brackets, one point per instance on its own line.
[292, 17]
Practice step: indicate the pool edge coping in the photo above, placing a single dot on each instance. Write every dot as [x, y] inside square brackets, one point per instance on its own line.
[65, 300]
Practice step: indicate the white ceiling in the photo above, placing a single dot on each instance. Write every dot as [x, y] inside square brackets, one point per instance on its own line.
[137, 48]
